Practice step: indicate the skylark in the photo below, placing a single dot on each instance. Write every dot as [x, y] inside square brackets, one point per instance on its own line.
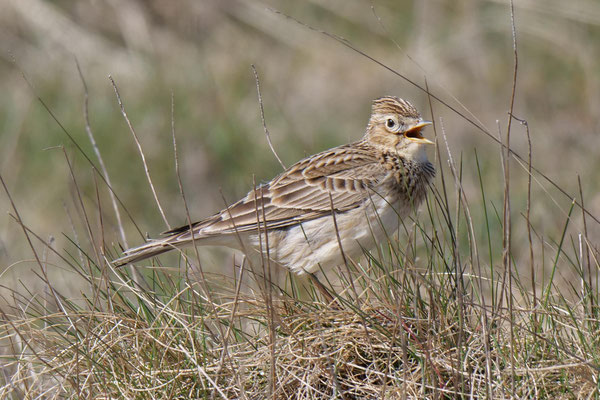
[326, 208]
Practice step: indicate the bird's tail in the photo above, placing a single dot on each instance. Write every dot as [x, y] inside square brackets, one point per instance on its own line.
[147, 250]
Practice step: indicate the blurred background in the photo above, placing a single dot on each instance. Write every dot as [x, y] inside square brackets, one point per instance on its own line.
[316, 94]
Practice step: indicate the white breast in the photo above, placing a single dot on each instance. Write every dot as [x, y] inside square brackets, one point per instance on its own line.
[302, 248]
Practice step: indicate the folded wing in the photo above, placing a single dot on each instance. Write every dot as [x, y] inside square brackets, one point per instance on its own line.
[305, 191]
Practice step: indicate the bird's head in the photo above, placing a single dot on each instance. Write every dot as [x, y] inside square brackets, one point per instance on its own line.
[395, 125]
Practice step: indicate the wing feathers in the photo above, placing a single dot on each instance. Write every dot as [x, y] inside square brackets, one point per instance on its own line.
[302, 193]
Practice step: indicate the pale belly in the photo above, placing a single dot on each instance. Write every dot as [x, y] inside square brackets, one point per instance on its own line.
[315, 244]
[323, 243]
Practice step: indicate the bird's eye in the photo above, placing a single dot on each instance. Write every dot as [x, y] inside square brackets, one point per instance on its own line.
[390, 123]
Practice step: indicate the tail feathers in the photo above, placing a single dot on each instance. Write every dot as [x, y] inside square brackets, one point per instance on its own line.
[147, 250]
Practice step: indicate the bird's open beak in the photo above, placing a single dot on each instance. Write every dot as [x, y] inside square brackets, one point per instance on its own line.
[414, 133]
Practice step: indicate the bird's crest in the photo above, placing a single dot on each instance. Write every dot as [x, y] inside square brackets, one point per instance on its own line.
[394, 105]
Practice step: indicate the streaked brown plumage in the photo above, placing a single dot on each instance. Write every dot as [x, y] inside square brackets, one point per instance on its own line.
[372, 184]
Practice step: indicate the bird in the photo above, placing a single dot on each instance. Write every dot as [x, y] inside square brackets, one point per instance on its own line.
[326, 208]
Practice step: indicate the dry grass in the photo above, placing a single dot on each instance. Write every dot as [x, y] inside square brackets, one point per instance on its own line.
[172, 347]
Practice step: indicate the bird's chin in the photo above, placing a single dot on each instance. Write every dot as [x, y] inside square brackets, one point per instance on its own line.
[414, 151]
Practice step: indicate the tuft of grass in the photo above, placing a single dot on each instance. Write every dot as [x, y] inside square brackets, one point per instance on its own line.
[405, 335]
